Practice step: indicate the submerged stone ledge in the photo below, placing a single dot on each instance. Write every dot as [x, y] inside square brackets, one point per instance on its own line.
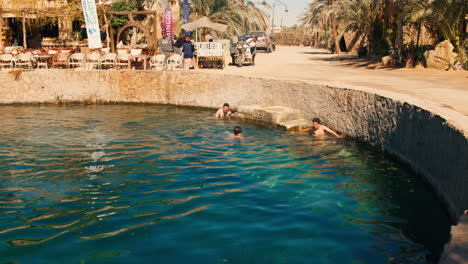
[431, 138]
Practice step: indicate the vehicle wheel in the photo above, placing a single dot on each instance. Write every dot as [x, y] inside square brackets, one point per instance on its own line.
[268, 49]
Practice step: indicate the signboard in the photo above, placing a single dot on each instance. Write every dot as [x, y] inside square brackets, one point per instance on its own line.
[168, 23]
[92, 24]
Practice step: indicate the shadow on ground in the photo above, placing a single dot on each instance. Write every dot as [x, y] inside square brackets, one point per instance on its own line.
[316, 53]
[349, 61]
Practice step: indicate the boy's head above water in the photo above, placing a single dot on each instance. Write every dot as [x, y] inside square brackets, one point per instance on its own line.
[237, 130]
[316, 122]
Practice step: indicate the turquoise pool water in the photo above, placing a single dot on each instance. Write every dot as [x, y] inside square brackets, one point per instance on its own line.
[157, 184]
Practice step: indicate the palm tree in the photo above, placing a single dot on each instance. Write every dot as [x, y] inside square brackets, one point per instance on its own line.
[320, 13]
[239, 15]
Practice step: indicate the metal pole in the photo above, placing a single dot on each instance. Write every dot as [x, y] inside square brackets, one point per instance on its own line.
[196, 30]
[273, 19]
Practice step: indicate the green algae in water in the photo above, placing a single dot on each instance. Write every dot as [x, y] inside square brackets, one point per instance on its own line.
[140, 184]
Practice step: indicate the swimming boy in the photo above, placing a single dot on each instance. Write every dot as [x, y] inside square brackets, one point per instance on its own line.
[237, 133]
[223, 112]
[319, 130]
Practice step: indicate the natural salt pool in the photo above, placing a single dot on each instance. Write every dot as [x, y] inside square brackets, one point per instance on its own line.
[158, 184]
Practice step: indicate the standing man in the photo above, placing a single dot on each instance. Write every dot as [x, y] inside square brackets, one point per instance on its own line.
[166, 45]
[223, 112]
[251, 44]
[188, 49]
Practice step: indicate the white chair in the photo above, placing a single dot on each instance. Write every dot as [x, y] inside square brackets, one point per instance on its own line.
[158, 62]
[123, 61]
[14, 50]
[76, 60]
[108, 60]
[93, 60]
[136, 52]
[6, 60]
[23, 60]
[123, 51]
[175, 62]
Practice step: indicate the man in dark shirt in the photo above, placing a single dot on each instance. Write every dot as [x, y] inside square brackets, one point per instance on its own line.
[178, 44]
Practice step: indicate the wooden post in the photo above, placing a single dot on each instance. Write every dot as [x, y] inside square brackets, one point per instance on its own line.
[112, 38]
[107, 28]
[25, 43]
[1, 32]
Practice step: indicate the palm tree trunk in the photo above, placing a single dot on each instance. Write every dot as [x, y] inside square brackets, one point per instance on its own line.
[419, 33]
[335, 36]
[400, 40]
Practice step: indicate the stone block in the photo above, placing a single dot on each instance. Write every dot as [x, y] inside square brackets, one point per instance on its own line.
[442, 57]
[269, 114]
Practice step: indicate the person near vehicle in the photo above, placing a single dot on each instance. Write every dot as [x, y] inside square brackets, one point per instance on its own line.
[319, 130]
[188, 49]
[223, 112]
[251, 45]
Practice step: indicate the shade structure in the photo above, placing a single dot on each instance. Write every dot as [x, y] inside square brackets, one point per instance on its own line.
[204, 22]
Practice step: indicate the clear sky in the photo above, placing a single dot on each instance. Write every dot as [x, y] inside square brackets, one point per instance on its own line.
[295, 8]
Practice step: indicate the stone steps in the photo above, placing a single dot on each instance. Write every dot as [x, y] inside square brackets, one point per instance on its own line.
[288, 118]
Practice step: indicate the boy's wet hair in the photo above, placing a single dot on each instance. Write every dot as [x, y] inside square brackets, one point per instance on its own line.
[316, 120]
[237, 130]
[225, 104]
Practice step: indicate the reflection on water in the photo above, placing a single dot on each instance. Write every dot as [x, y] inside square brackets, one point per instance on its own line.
[137, 184]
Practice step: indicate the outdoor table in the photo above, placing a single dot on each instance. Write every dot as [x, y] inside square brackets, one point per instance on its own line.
[142, 57]
[43, 60]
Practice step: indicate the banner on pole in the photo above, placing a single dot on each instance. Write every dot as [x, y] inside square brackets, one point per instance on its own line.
[168, 23]
[92, 24]
[186, 15]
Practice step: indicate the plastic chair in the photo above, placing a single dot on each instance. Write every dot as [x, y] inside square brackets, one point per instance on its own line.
[123, 60]
[175, 62]
[108, 60]
[61, 59]
[158, 62]
[6, 60]
[76, 59]
[23, 60]
[93, 60]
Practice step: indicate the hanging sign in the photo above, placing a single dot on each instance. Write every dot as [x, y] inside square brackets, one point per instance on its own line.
[168, 23]
[92, 24]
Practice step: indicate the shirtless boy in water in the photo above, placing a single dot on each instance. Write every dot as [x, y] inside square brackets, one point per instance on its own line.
[237, 133]
[319, 130]
[223, 112]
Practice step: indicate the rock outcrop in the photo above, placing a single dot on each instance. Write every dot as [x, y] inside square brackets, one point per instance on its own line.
[442, 57]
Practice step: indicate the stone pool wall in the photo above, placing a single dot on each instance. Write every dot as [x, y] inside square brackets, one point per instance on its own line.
[433, 142]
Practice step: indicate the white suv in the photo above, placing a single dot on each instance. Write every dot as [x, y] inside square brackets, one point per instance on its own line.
[263, 40]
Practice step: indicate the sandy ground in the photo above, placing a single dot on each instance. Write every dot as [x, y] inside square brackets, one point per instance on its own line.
[449, 89]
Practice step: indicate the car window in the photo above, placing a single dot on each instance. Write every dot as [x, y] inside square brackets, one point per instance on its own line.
[258, 34]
